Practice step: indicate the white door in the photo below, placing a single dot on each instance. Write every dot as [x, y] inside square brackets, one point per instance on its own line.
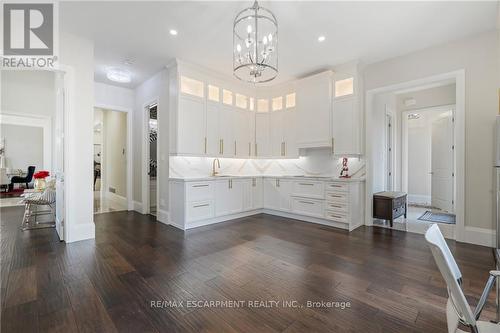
[389, 153]
[222, 197]
[271, 194]
[59, 154]
[276, 133]
[289, 133]
[213, 134]
[262, 135]
[226, 130]
[257, 193]
[192, 126]
[442, 163]
[285, 192]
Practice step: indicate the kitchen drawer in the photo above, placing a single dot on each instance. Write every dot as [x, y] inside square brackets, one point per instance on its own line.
[337, 187]
[337, 197]
[198, 191]
[336, 217]
[338, 207]
[199, 210]
[308, 207]
[309, 189]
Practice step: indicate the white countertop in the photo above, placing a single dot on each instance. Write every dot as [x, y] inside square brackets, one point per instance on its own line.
[222, 177]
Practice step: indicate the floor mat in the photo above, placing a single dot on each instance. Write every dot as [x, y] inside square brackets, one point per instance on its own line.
[438, 217]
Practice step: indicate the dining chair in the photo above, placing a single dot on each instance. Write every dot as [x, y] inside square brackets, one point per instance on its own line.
[457, 307]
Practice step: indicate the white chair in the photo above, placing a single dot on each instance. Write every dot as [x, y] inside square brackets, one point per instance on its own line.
[457, 308]
[33, 200]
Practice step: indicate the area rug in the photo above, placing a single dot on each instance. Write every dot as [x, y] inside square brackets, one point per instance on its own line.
[12, 194]
[438, 217]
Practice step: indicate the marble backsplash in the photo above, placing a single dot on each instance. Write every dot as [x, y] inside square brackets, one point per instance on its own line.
[315, 162]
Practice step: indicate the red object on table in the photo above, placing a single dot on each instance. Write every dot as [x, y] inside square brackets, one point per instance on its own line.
[41, 174]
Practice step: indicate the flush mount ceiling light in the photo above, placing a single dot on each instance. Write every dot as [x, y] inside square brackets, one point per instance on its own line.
[173, 32]
[321, 39]
[255, 45]
[118, 75]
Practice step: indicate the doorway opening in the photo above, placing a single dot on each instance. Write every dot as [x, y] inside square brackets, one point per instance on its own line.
[110, 161]
[428, 152]
[152, 157]
[415, 145]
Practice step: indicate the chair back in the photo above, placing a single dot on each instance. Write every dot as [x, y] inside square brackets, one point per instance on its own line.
[457, 308]
[30, 173]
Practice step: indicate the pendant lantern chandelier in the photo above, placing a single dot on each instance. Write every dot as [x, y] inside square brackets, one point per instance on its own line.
[255, 45]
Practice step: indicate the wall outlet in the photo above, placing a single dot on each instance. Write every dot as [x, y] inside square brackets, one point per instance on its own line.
[112, 189]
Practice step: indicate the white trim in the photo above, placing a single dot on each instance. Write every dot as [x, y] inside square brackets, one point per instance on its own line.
[81, 231]
[479, 236]
[162, 216]
[419, 199]
[459, 78]
[137, 206]
[130, 183]
[33, 120]
[115, 197]
[146, 206]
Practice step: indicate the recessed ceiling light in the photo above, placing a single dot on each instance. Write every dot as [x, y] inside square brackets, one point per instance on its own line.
[118, 75]
[173, 32]
[321, 39]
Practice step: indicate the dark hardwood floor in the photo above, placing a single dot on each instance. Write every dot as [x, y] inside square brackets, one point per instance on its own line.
[107, 285]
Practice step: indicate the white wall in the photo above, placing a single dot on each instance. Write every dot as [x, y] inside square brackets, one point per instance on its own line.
[28, 92]
[78, 54]
[23, 146]
[113, 98]
[478, 55]
[153, 90]
[115, 142]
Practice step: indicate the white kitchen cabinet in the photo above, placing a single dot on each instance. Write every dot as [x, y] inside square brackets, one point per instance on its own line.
[285, 192]
[276, 135]
[257, 191]
[243, 133]
[212, 132]
[262, 147]
[277, 194]
[227, 118]
[314, 111]
[228, 196]
[290, 149]
[191, 126]
[271, 194]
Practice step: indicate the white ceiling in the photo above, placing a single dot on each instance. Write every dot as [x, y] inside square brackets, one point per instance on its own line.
[368, 31]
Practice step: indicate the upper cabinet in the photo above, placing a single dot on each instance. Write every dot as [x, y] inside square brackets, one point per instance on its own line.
[212, 117]
[329, 111]
[347, 122]
[314, 110]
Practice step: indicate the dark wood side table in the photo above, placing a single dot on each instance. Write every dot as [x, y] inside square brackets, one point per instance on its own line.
[389, 205]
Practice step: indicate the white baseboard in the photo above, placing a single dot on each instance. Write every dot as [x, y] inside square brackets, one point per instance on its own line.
[419, 199]
[80, 232]
[116, 198]
[137, 206]
[479, 236]
[162, 216]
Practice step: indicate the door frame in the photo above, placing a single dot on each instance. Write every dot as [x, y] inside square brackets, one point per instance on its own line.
[458, 77]
[146, 206]
[404, 143]
[128, 148]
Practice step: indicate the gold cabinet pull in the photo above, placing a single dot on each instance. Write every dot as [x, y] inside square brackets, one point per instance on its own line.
[249, 149]
[284, 148]
[235, 147]
[222, 146]
[333, 146]
[205, 145]
[256, 151]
